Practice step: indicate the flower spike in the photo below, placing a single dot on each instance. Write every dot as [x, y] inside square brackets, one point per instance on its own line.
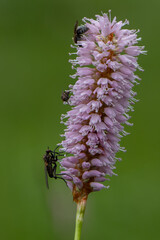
[101, 98]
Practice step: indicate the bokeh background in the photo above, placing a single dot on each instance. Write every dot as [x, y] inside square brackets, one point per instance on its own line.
[35, 38]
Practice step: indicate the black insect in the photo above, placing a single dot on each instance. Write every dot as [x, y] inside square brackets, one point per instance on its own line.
[65, 95]
[78, 32]
[50, 160]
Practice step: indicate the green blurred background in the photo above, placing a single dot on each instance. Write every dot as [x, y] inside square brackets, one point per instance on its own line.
[35, 38]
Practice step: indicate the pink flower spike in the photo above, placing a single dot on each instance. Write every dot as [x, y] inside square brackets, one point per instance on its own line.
[100, 99]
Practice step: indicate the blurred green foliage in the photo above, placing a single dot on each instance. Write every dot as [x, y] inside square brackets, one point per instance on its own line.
[35, 38]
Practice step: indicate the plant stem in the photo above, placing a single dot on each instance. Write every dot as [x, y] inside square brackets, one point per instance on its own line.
[79, 218]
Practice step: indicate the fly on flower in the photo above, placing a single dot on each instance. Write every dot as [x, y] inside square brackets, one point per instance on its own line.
[50, 165]
[65, 95]
[78, 32]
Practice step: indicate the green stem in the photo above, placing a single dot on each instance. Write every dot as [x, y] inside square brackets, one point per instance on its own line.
[79, 218]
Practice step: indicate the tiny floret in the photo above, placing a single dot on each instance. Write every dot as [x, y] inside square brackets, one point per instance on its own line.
[101, 98]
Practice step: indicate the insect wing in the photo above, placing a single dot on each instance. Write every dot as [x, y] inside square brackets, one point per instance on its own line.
[46, 176]
[75, 27]
[75, 32]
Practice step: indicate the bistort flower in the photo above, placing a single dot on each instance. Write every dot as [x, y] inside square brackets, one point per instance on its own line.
[101, 99]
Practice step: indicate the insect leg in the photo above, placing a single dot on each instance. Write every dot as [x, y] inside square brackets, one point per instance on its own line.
[62, 174]
[59, 154]
[55, 149]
